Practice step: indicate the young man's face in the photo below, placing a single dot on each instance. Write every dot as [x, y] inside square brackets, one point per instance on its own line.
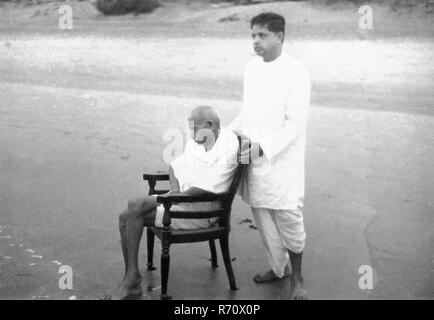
[265, 42]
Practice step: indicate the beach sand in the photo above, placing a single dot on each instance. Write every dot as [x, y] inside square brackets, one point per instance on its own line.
[83, 115]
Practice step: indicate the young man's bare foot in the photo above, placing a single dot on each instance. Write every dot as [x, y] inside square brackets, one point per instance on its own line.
[270, 276]
[297, 290]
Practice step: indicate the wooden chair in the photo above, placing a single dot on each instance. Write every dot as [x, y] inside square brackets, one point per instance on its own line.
[219, 230]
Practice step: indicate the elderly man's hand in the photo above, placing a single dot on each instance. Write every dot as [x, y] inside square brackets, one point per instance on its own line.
[174, 191]
[252, 153]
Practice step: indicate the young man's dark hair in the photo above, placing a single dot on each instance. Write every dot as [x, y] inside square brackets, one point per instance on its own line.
[272, 21]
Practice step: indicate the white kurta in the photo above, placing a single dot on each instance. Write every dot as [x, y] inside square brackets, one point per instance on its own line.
[274, 113]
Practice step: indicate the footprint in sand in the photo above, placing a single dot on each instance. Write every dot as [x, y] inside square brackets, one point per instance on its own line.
[245, 221]
[251, 226]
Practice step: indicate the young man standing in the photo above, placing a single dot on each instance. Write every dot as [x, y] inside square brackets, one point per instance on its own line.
[274, 116]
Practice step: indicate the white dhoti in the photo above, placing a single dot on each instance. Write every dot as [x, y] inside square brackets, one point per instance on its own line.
[280, 230]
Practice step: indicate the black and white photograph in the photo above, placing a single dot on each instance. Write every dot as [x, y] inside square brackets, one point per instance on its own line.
[230, 151]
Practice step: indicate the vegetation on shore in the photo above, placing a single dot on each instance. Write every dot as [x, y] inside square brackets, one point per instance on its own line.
[119, 7]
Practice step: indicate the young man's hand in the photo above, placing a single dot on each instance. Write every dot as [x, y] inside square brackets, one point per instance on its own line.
[252, 153]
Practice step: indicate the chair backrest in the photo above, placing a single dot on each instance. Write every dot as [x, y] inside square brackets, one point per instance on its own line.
[227, 205]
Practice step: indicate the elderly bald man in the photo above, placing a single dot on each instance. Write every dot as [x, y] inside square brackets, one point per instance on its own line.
[207, 165]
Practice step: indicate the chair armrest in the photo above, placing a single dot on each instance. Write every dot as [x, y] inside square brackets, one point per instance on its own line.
[158, 176]
[180, 197]
[152, 179]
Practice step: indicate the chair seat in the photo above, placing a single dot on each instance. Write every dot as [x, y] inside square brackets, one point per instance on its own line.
[194, 235]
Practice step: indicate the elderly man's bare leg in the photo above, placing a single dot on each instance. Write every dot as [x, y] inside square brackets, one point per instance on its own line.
[297, 285]
[123, 232]
[140, 213]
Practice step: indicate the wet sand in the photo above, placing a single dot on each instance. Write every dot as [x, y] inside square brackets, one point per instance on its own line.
[72, 158]
[83, 117]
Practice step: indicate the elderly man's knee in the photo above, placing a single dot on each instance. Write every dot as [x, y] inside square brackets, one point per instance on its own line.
[123, 218]
[135, 205]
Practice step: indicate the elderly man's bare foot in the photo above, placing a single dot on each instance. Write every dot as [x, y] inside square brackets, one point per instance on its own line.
[270, 276]
[128, 289]
[297, 290]
[127, 292]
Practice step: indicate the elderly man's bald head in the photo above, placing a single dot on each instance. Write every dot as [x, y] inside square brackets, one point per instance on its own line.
[205, 114]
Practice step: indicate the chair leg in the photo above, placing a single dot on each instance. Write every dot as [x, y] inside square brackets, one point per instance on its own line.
[213, 253]
[150, 242]
[224, 245]
[165, 263]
